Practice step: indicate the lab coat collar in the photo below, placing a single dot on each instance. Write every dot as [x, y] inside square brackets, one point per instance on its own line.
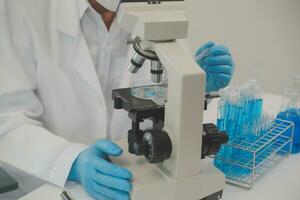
[69, 13]
[68, 22]
[97, 19]
[82, 5]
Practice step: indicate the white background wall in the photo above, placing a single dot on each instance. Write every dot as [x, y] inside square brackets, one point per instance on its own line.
[268, 30]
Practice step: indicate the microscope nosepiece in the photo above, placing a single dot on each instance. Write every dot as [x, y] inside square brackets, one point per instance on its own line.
[136, 63]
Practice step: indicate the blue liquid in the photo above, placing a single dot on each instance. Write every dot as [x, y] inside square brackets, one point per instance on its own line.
[258, 108]
[238, 121]
[292, 115]
[254, 109]
[220, 124]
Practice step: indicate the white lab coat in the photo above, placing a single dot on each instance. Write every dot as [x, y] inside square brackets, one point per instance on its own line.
[51, 101]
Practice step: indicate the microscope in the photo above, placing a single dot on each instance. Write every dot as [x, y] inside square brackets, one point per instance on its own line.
[168, 159]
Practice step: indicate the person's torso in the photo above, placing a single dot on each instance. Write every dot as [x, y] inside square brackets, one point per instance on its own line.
[74, 90]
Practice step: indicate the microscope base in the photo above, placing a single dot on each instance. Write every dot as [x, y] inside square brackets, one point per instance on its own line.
[215, 196]
[153, 182]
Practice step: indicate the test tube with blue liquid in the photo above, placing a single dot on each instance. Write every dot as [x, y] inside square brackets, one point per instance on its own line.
[240, 111]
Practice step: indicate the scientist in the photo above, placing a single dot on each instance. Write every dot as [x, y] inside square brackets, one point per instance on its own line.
[59, 61]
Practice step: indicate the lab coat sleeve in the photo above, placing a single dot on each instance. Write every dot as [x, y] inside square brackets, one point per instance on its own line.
[24, 141]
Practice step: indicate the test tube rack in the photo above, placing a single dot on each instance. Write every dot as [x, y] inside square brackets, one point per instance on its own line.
[245, 159]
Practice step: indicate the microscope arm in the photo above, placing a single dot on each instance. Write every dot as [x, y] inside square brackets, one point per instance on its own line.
[184, 109]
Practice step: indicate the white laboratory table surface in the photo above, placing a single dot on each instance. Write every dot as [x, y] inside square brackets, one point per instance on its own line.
[281, 183]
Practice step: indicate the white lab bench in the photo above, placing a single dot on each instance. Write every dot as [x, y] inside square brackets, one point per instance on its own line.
[282, 182]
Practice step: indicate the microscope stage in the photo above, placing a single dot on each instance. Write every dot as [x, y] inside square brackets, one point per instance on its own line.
[131, 103]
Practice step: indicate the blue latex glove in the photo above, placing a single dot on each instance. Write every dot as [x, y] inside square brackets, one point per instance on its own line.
[101, 179]
[218, 64]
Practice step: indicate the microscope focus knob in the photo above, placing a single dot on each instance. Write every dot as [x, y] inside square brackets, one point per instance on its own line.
[212, 140]
[158, 146]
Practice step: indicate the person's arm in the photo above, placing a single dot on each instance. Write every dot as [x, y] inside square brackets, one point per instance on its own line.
[27, 145]
[24, 142]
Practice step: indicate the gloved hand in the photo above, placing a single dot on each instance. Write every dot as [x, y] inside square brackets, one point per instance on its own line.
[101, 179]
[218, 64]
